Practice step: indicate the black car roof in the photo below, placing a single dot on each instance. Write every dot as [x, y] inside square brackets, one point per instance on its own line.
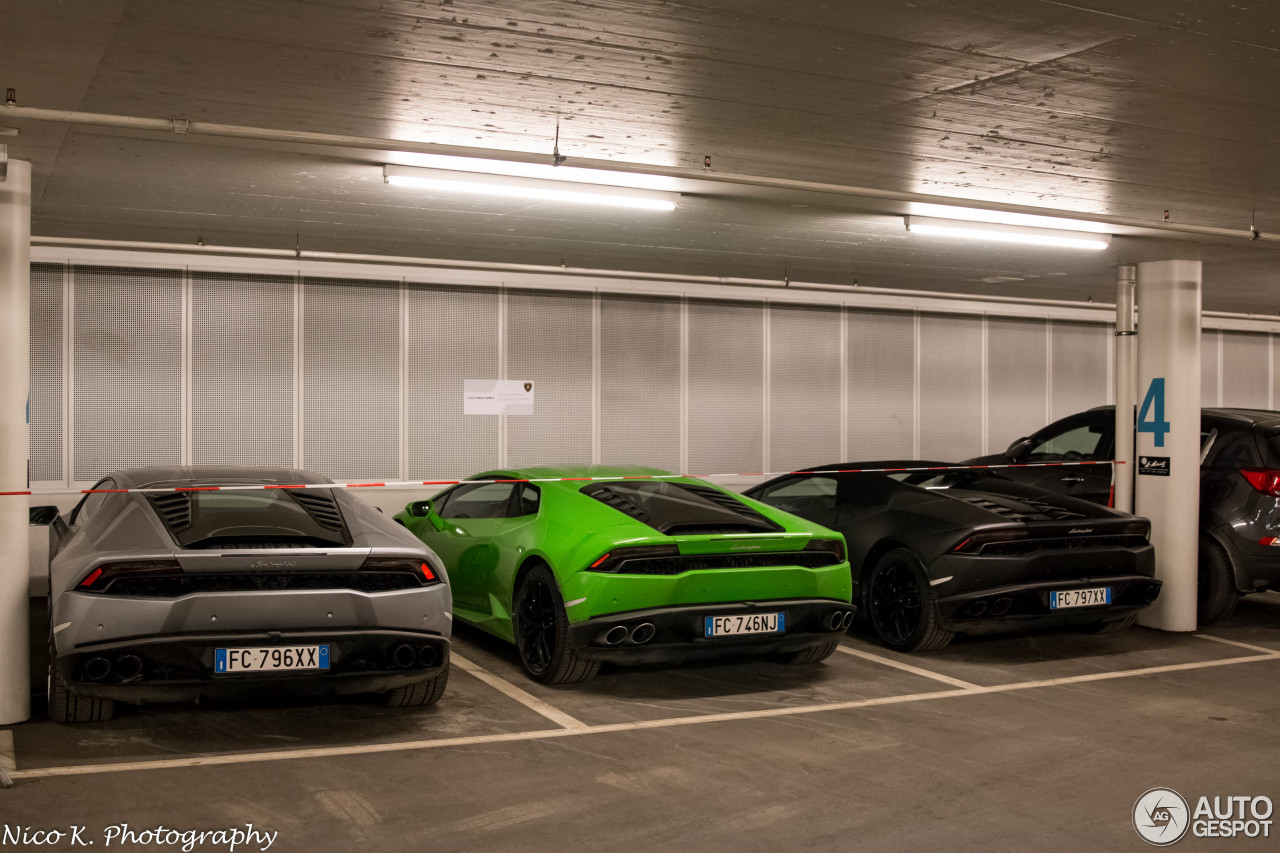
[878, 463]
[210, 475]
[1252, 416]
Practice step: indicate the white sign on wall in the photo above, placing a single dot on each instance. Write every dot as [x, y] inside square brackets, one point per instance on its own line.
[497, 397]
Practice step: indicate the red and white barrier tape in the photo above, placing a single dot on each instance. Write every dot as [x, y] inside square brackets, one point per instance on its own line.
[390, 484]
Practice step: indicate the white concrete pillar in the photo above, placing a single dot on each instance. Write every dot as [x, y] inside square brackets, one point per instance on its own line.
[1167, 475]
[1126, 385]
[15, 330]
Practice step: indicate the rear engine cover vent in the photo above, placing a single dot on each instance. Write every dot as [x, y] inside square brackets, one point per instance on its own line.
[322, 507]
[174, 509]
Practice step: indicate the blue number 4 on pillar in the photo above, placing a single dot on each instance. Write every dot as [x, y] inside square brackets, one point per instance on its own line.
[1154, 400]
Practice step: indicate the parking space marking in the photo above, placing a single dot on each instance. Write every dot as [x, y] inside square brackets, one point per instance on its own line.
[525, 698]
[547, 734]
[905, 667]
[1239, 644]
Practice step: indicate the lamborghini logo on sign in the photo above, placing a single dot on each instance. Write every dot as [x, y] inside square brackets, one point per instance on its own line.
[528, 386]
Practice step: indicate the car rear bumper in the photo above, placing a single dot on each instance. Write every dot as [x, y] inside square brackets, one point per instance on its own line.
[1026, 605]
[680, 632]
[181, 668]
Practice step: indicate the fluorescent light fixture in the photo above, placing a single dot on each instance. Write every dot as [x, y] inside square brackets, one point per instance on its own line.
[973, 214]
[996, 233]
[532, 189]
[639, 180]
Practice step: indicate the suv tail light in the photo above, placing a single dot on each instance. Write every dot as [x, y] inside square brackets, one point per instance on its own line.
[1265, 480]
[101, 577]
[416, 566]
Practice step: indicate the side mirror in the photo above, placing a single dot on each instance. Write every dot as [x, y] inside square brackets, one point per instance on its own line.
[420, 509]
[1018, 448]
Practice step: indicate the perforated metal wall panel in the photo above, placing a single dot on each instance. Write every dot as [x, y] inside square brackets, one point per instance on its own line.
[726, 386]
[804, 386]
[640, 381]
[1017, 379]
[1080, 367]
[1246, 373]
[881, 352]
[549, 342]
[242, 380]
[127, 358]
[950, 387]
[351, 378]
[45, 411]
[452, 337]
[1209, 367]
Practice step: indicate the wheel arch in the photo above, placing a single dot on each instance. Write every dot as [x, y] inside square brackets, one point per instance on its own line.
[874, 554]
[1243, 585]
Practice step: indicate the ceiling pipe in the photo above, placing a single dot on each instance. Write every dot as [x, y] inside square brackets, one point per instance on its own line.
[373, 143]
[542, 269]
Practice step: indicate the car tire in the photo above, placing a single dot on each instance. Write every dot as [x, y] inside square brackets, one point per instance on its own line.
[901, 607]
[424, 694]
[813, 654]
[541, 629]
[1113, 627]
[1217, 595]
[67, 707]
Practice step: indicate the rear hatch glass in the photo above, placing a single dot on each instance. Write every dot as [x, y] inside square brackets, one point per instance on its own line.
[681, 508]
[252, 519]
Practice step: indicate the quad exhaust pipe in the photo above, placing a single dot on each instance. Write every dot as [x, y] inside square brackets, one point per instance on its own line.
[643, 633]
[96, 669]
[619, 634]
[129, 667]
[403, 656]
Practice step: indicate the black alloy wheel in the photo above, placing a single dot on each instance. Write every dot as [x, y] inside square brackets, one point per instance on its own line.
[901, 607]
[541, 629]
[537, 621]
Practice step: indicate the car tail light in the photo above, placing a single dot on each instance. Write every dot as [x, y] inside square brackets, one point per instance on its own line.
[1269, 540]
[974, 543]
[1265, 480]
[416, 566]
[612, 560]
[101, 577]
[830, 546]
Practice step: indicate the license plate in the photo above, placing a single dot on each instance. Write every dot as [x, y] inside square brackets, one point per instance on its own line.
[270, 659]
[1098, 596]
[752, 623]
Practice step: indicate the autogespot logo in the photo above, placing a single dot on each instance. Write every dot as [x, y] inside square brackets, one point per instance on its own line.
[1160, 816]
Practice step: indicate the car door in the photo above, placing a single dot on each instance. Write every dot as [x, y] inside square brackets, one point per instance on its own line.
[1087, 437]
[473, 517]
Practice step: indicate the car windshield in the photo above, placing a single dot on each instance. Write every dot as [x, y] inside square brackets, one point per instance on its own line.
[681, 508]
[277, 518]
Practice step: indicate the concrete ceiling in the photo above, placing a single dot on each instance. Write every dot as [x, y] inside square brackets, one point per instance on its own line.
[1127, 107]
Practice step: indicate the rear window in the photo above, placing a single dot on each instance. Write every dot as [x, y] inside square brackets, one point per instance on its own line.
[1235, 447]
[276, 518]
[681, 508]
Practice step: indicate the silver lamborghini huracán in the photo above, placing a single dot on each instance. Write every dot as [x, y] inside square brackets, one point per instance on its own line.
[195, 588]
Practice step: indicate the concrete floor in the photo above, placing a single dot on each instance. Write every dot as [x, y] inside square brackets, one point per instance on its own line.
[1029, 743]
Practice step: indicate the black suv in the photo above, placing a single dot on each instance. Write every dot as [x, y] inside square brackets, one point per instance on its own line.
[1239, 491]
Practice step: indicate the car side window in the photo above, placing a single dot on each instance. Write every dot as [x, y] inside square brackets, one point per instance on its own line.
[1233, 448]
[482, 500]
[530, 499]
[1082, 442]
[90, 504]
[808, 497]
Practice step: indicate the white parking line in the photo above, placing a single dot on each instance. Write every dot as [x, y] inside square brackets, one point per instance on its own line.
[525, 698]
[546, 734]
[8, 763]
[905, 667]
[1239, 644]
